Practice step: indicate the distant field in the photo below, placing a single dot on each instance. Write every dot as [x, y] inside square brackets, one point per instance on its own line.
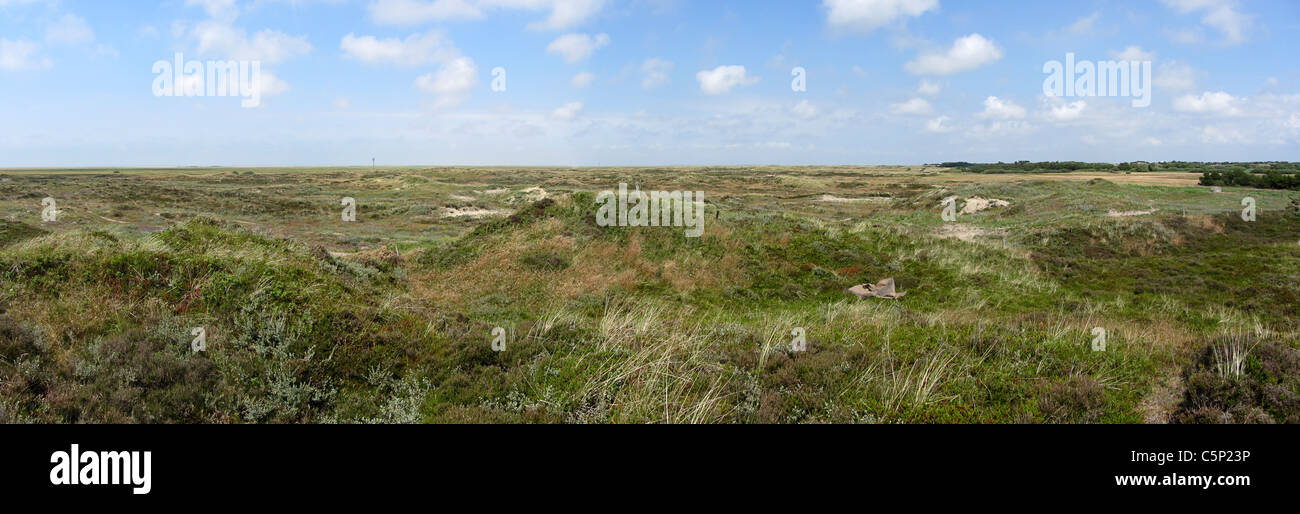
[1146, 179]
[390, 318]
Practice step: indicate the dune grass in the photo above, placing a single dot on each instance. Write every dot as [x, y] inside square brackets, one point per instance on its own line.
[390, 319]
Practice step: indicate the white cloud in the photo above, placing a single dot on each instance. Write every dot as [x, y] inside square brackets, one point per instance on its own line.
[967, 53]
[567, 111]
[223, 9]
[218, 38]
[222, 40]
[451, 82]
[1186, 6]
[1220, 15]
[915, 106]
[564, 14]
[103, 50]
[1293, 126]
[1083, 25]
[1067, 112]
[939, 125]
[342, 103]
[864, 16]
[416, 50]
[997, 108]
[1187, 36]
[577, 47]
[1132, 53]
[271, 85]
[415, 12]
[1234, 25]
[999, 130]
[723, 78]
[1223, 135]
[1210, 102]
[804, 110]
[1175, 76]
[655, 72]
[583, 80]
[69, 30]
[21, 55]
[268, 84]
[928, 88]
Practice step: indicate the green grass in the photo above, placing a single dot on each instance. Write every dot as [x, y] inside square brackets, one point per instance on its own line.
[634, 325]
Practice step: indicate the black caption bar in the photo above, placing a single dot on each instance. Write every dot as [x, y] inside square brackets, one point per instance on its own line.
[151, 464]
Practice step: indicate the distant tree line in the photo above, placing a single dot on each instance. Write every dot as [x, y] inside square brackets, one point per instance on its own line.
[1255, 167]
[1044, 167]
[1271, 179]
[1248, 168]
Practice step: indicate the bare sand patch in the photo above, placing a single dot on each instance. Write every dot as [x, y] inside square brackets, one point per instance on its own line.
[471, 212]
[1125, 214]
[976, 204]
[838, 199]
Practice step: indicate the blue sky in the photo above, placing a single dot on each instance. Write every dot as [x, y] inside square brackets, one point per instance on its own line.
[644, 82]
